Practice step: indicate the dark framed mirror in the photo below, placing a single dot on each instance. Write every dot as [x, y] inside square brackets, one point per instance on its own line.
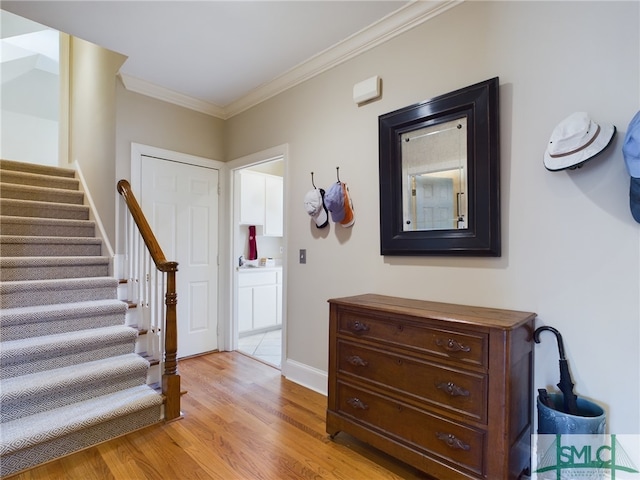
[440, 175]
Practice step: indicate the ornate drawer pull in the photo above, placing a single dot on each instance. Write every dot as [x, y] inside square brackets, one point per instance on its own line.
[358, 326]
[357, 403]
[453, 389]
[357, 361]
[452, 441]
[452, 345]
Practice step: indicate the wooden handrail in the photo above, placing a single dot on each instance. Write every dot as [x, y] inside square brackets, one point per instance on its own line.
[124, 189]
[170, 377]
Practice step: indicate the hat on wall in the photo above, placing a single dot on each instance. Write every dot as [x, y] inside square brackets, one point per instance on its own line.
[575, 140]
[631, 152]
[314, 205]
[334, 200]
[349, 217]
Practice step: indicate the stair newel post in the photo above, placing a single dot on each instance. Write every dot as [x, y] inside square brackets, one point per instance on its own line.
[170, 377]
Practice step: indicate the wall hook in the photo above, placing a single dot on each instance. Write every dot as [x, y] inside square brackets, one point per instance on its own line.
[338, 174]
[312, 183]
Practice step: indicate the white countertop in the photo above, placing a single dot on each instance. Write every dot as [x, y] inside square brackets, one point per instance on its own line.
[249, 268]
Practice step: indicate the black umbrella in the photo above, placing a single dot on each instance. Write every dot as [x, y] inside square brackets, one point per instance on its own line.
[566, 383]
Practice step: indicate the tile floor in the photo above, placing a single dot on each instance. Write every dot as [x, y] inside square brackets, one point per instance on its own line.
[266, 346]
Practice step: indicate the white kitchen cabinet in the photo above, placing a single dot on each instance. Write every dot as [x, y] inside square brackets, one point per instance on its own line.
[259, 302]
[245, 309]
[264, 306]
[279, 296]
[274, 211]
[252, 196]
[261, 201]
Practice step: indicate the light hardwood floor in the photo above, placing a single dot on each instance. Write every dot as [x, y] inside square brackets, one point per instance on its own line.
[242, 421]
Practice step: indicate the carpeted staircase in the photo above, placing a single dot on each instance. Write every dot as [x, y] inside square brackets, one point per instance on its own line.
[69, 377]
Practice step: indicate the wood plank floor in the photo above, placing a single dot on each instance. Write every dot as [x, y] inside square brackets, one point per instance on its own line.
[242, 421]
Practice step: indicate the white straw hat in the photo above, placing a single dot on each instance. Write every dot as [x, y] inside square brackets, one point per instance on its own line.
[575, 140]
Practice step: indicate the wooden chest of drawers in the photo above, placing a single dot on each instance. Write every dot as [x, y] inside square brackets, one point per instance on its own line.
[445, 388]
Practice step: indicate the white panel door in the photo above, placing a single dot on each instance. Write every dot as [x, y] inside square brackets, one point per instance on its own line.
[434, 203]
[180, 202]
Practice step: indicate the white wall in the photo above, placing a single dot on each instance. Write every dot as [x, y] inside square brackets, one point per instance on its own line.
[144, 120]
[92, 114]
[18, 133]
[29, 91]
[571, 250]
[147, 121]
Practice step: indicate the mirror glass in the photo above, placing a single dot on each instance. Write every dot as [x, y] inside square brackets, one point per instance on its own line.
[439, 175]
[434, 176]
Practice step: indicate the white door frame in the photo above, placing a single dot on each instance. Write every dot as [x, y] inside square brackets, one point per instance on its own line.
[137, 151]
[230, 340]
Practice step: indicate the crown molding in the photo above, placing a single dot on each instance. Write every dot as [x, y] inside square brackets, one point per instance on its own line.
[160, 93]
[394, 24]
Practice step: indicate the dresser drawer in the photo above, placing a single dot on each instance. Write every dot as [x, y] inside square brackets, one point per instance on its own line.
[466, 348]
[457, 391]
[453, 443]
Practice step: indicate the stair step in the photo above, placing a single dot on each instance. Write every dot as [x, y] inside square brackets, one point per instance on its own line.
[51, 170]
[17, 246]
[149, 358]
[44, 268]
[41, 194]
[30, 208]
[37, 354]
[30, 394]
[68, 290]
[40, 320]
[46, 227]
[38, 180]
[47, 435]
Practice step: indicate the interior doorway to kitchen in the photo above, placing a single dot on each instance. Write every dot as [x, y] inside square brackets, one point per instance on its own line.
[258, 246]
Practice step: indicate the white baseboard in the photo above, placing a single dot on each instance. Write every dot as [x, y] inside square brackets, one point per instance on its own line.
[306, 376]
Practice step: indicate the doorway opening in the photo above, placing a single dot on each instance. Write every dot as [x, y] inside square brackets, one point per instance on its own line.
[258, 251]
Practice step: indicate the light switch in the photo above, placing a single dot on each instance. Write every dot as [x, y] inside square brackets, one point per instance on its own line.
[303, 256]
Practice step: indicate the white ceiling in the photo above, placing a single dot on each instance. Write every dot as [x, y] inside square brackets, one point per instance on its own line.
[221, 57]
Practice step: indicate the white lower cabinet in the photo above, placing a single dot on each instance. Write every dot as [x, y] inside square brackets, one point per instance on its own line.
[264, 306]
[259, 299]
[245, 309]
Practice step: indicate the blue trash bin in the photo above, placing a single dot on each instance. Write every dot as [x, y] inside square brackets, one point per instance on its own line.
[590, 419]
